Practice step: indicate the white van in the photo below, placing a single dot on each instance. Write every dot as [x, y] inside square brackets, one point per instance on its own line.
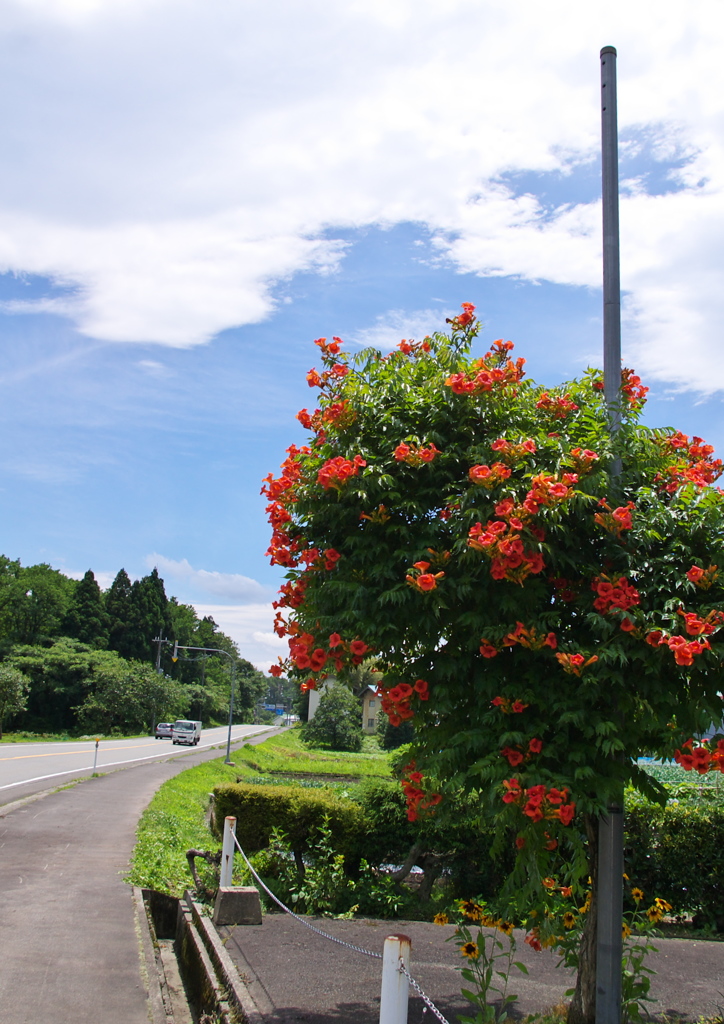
[186, 732]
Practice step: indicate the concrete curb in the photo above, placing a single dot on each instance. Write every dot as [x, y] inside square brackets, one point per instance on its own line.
[225, 970]
[213, 985]
[152, 970]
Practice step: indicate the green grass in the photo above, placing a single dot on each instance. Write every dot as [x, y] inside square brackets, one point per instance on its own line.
[287, 753]
[175, 820]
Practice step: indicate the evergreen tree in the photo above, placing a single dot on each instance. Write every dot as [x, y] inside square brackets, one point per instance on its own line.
[87, 619]
[148, 618]
[119, 609]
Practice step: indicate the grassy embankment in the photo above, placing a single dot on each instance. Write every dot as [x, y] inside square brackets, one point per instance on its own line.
[175, 820]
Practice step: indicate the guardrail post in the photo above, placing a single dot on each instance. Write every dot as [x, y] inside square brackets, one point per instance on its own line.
[395, 986]
[227, 851]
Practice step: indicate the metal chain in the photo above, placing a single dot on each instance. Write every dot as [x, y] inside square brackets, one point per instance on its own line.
[358, 949]
[332, 938]
[425, 998]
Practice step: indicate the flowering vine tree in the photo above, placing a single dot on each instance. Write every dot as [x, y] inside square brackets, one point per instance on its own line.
[543, 598]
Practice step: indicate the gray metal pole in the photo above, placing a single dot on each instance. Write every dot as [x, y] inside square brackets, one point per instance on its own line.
[231, 713]
[609, 947]
[611, 262]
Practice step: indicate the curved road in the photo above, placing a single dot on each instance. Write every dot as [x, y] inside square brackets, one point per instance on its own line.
[28, 768]
[68, 932]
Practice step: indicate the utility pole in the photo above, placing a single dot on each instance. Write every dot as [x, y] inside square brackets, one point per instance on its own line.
[609, 946]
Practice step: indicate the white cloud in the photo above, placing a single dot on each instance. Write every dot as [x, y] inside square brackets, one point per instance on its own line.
[168, 165]
[390, 328]
[231, 586]
[251, 627]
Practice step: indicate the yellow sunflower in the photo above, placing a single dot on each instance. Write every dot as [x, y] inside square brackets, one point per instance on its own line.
[441, 919]
[569, 919]
[506, 927]
[470, 950]
[637, 894]
[625, 931]
[470, 909]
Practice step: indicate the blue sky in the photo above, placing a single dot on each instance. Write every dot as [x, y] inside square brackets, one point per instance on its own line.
[191, 193]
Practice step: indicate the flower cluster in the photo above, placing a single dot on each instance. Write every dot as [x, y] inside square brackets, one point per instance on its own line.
[618, 594]
[464, 319]
[684, 652]
[538, 803]
[421, 579]
[494, 370]
[575, 664]
[306, 653]
[509, 559]
[413, 348]
[582, 459]
[702, 758]
[284, 550]
[702, 578]
[694, 463]
[416, 798]
[336, 371]
[501, 540]
[337, 414]
[489, 476]
[516, 756]
[632, 388]
[615, 520]
[529, 637]
[338, 470]
[507, 706]
[696, 626]
[415, 455]
[511, 453]
[396, 700]
[549, 490]
[559, 406]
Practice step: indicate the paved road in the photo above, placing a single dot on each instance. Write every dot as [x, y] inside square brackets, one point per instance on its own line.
[70, 953]
[27, 768]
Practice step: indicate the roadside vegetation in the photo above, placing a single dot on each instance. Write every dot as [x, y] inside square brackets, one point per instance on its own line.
[450, 851]
[76, 660]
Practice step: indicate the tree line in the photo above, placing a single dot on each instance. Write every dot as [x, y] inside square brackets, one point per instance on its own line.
[77, 659]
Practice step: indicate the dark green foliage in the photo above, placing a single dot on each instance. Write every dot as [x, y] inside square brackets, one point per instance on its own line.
[87, 619]
[296, 811]
[33, 602]
[390, 736]
[337, 721]
[118, 607]
[677, 853]
[73, 686]
[14, 688]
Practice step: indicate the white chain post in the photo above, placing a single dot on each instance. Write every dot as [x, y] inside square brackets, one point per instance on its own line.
[395, 986]
[227, 852]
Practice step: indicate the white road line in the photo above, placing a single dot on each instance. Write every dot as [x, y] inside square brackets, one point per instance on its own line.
[133, 760]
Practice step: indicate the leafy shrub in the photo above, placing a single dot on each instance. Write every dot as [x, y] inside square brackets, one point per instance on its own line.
[296, 811]
[677, 852]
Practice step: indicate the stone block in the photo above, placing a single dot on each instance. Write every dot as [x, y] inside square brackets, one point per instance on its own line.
[237, 904]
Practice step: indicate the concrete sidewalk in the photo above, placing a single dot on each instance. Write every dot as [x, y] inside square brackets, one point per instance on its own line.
[68, 934]
[294, 975]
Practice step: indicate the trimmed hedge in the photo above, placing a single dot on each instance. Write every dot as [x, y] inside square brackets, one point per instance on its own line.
[297, 811]
[677, 852]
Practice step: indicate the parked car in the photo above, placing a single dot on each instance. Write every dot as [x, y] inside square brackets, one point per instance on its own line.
[186, 732]
[164, 731]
